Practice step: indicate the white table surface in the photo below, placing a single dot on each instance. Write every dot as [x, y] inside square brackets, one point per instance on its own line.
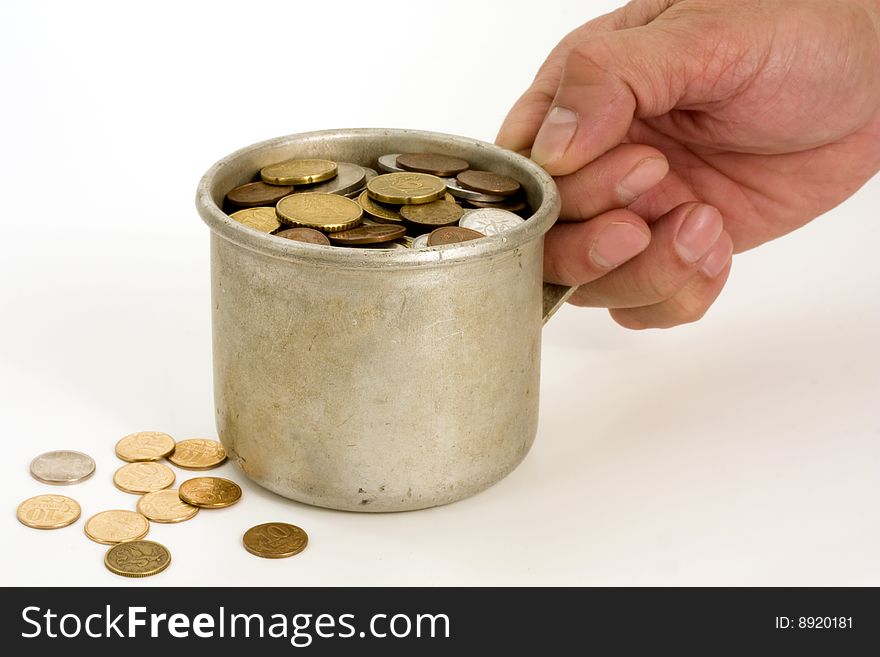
[744, 449]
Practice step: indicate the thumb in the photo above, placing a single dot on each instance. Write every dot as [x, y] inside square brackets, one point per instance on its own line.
[606, 81]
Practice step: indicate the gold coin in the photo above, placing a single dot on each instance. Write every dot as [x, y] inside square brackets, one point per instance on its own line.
[143, 477]
[210, 492]
[137, 558]
[274, 540]
[432, 215]
[261, 218]
[165, 506]
[381, 213]
[298, 172]
[48, 512]
[327, 212]
[406, 188]
[144, 446]
[110, 527]
[198, 454]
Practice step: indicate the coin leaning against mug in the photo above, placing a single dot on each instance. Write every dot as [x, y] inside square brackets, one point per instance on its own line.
[470, 195]
[116, 526]
[262, 219]
[388, 163]
[490, 221]
[348, 178]
[436, 164]
[452, 235]
[275, 540]
[198, 454]
[210, 492]
[406, 188]
[144, 446]
[488, 182]
[48, 511]
[305, 235]
[165, 506]
[62, 467]
[144, 477]
[328, 212]
[137, 558]
[420, 242]
[298, 172]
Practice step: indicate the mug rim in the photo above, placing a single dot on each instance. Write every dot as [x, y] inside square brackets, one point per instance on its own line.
[221, 224]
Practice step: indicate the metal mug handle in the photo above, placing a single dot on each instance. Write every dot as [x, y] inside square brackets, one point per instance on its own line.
[554, 297]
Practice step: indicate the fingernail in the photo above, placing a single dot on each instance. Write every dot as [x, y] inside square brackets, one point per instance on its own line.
[718, 258]
[642, 177]
[617, 243]
[554, 136]
[698, 232]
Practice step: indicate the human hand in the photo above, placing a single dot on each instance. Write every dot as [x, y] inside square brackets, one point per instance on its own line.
[681, 131]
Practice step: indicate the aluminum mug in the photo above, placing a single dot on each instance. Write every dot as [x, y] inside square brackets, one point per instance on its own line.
[370, 379]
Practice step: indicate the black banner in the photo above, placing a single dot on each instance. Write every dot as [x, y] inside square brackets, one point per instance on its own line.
[440, 621]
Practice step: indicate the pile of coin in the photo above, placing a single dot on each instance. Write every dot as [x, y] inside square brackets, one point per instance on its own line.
[144, 475]
[421, 200]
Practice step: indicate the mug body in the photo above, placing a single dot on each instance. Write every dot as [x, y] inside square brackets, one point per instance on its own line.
[368, 379]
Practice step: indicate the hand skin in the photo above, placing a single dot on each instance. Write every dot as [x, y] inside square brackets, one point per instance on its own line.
[682, 131]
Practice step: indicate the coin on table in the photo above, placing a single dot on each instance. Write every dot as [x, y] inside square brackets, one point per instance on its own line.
[275, 540]
[62, 467]
[432, 215]
[367, 235]
[143, 477]
[198, 454]
[348, 178]
[48, 512]
[144, 446]
[420, 242]
[406, 188]
[298, 172]
[452, 235]
[327, 212]
[488, 182]
[444, 166]
[470, 195]
[262, 219]
[209, 492]
[116, 526]
[165, 506]
[388, 163]
[302, 234]
[137, 558]
[255, 194]
[489, 221]
[380, 212]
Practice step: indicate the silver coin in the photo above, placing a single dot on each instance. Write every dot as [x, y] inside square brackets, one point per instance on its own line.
[62, 467]
[490, 221]
[388, 163]
[420, 242]
[348, 178]
[458, 191]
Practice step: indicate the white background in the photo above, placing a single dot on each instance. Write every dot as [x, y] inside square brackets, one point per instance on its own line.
[740, 450]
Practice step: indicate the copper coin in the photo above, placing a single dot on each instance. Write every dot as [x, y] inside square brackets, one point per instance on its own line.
[487, 182]
[307, 235]
[433, 163]
[452, 235]
[275, 540]
[368, 235]
[255, 194]
[438, 213]
[511, 205]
